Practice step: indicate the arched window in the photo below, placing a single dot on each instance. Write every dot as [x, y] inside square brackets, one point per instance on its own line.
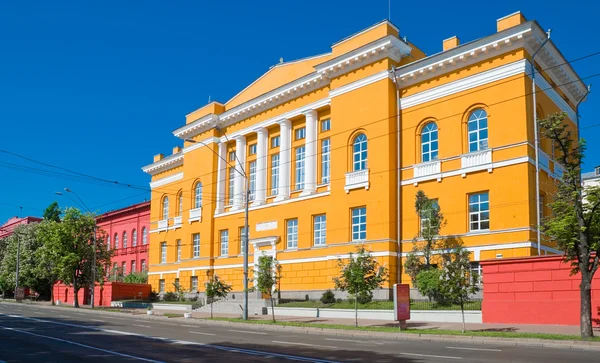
[429, 142]
[134, 238]
[124, 239]
[478, 130]
[359, 152]
[165, 210]
[180, 204]
[144, 236]
[198, 195]
[108, 242]
[116, 241]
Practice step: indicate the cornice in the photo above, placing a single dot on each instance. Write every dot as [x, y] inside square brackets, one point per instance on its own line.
[201, 144]
[167, 163]
[201, 123]
[166, 180]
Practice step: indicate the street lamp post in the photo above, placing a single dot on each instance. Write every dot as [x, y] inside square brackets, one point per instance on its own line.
[93, 287]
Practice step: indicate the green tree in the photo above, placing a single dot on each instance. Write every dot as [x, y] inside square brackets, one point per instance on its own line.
[216, 288]
[267, 276]
[428, 283]
[360, 275]
[53, 212]
[46, 257]
[457, 283]
[575, 220]
[136, 278]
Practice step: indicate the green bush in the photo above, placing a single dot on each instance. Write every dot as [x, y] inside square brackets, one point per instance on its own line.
[170, 296]
[136, 278]
[428, 283]
[328, 297]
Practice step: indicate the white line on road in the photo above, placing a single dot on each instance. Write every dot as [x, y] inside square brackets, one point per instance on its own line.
[201, 333]
[141, 326]
[482, 349]
[247, 332]
[189, 326]
[306, 344]
[64, 316]
[345, 340]
[98, 320]
[81, 345]
[431, 356]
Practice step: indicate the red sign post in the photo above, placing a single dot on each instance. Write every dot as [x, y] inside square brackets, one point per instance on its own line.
[402, 304]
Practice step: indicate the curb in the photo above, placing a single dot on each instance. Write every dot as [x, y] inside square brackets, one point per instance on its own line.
[530, 342]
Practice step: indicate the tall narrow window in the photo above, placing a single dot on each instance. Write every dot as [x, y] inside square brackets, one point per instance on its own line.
[116, 241]
[274, 174]
[124, 239]
[165, 210]
[292, 233]
[143, 263]
[479, 211]
[242, 239]
[426, 227]
[275, 141]
[429, 142]
[134, 238]
[124, 268]
[478, 130]
[178, 250]
[161, 285]
[232, 156]
[252, 181]
[300, 133]
[196, 241]
[359, 224]
[300, 153]
[224, 243]
[163, 252]
[144, 236]
[325, 125]
[252, 149]
[198, 195]
[320, 230]
[108, 242]
[194, 284]
[180, 204]
[231, 185]
[325, 171]
[133, 266]
[359, 153]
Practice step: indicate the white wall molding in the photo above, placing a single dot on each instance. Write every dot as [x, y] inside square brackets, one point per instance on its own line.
[286, 201]
[360, 83]
[201, 144]
[501, 246]
[166, 180]
[167, 163]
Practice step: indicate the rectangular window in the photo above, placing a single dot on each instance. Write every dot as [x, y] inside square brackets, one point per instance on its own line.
[178, 250]
[124, 268]
[252, 149]
[231, 185]
[232, 156]
[275, 141]
[143, 263]
[320, 230]
[300, 133]
[194, 284]
[133, 266]
[359, 224]
[108, 242]
[242, 237]
[325, 125]
[163, 252]
[224, 243]
[325, 167]
[177, 283]
[292, 233]
[426, 216]
[161, 285]
[274, 174]
[300, 152]
[479, 212]
[196, 241]
[252, 181]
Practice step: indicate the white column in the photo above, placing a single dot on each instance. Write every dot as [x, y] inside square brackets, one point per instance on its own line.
[310, 157]
[239, 187]
[221, 174]
[261, 166]
[285, 152]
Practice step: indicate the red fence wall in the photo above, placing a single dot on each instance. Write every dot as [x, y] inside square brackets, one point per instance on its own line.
[534, 290]
[103, 295]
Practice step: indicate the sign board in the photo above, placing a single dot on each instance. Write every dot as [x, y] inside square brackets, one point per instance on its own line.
[20, 293]
[401, 302]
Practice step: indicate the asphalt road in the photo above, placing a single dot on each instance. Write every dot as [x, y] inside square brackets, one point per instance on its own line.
[35, 334]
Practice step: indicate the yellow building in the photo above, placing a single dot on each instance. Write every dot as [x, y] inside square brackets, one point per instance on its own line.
[321, 140]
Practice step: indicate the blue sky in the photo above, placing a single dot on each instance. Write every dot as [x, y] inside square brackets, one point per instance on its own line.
[98, 87]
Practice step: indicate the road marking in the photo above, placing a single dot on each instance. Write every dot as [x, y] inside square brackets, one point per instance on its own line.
[64, 316]
[98, 320]
[305, 344]
[431, 356]
[81, 345]
[247, 332]
[141, 326]
[201, 333]
[482, 349]
[189, 326]
[346, 340]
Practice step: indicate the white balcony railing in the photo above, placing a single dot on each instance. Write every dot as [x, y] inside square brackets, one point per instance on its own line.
[177, 221]
[428, 168]
[357, 179]
[163, 224]
[195, 214]
[544, 161]
[476, 158]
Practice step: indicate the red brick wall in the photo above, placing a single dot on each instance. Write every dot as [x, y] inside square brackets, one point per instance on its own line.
[103, 295]
[534, 290]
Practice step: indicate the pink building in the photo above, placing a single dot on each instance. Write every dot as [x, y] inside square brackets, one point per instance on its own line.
[127, 234]
[7, 228]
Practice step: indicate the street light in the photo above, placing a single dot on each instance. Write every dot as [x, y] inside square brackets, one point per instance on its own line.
[246, 206]
[94, 245]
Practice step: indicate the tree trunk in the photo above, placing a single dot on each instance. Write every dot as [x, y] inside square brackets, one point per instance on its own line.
[52, 293]
[211, 310]
[272, 307]
[586, 308]
[462, 310]
[356, 311]
[75, 292]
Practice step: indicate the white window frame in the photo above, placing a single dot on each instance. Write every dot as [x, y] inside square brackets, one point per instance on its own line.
[124, 239]
[275, 141]
[359, 227]
[231, 185]
[198, 195]
[242, 231]
[124, 268]
[179, 204]
[134, 238]
[165, 209]
[429, 142]
[252, 180]
[224, 239]
[300, 133]
[108, 241]
[163, 252]
[178, 250]
[232, 156]
[116, 241]
[326, 125]
[161, 285]
[274, 174]
[291, 239]
[424, 220]
[360, 149]
[476, 131]
[252, 149]
[194, 284]
[143, 265]
[133, 266]
[479, 205]
[325, 160]
[320, 230]
[144, 236]
[300, 167]
[196, 245]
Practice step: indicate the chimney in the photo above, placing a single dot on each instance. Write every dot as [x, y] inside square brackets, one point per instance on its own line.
[509, 21]
[450, 43]
[158, 157]
[176, 150]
